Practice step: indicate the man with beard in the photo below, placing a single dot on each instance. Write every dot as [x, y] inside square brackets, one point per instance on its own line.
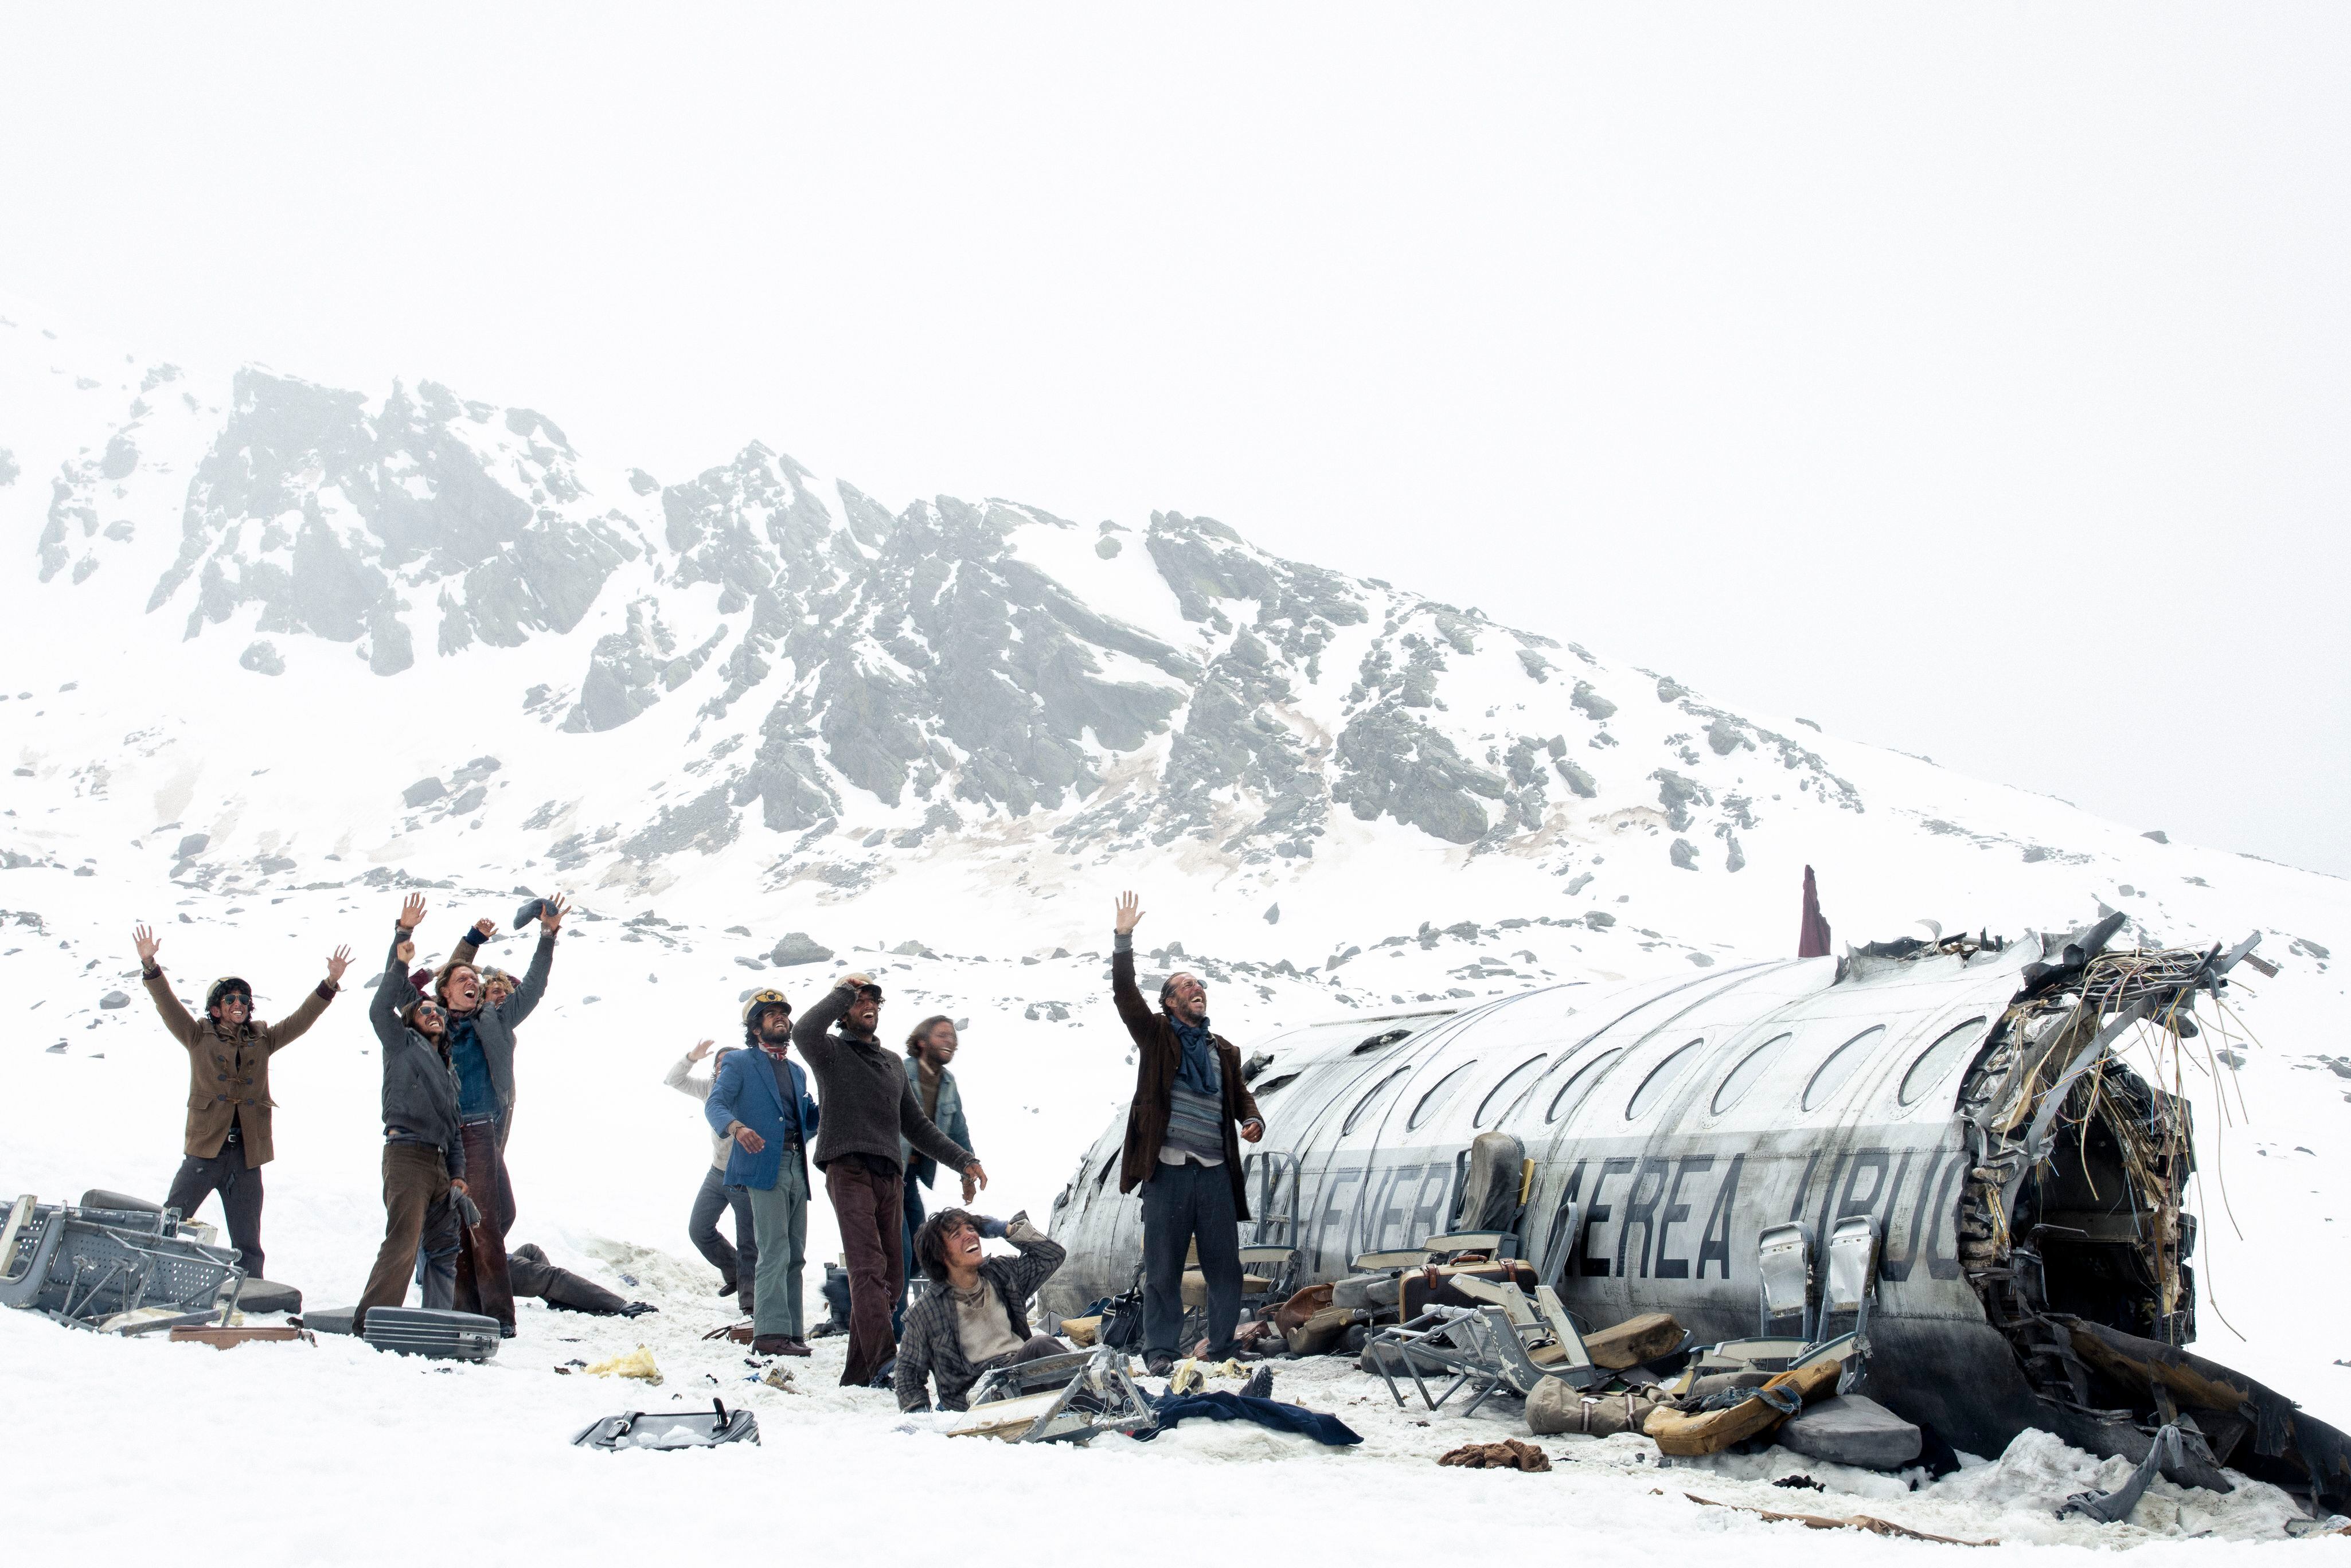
[228, 1134]
[483, 1013]
[761, 1101]
[1180, 1149]
[869, 1106]
[424, 1142]
[929, 1048]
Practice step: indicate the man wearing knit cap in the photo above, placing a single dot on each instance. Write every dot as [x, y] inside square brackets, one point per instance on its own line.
[1189, 1100]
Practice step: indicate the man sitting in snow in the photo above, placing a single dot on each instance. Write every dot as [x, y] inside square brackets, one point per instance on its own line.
[227, 1140]
[975, 1317]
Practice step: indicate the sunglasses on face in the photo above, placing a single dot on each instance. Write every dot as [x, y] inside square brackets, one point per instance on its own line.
[236, 996]
[426, 1012]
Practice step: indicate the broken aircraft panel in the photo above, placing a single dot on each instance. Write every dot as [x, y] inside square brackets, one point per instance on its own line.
[2034, 1265]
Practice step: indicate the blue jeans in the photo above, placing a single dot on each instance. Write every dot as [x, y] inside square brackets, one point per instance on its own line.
[1181, 1203]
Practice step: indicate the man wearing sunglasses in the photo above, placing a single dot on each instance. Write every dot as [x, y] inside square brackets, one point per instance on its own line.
[423, 1135]
[869, 1106]
[228, 1139]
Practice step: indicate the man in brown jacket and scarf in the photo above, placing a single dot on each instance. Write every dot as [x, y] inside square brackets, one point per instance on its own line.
[1180, 1149]
[228, 1138]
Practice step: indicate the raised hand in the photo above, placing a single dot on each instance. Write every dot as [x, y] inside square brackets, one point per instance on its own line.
[412, 914]
[701, 1049]
[147, 942]
[550, 915]
[1130, 914]
[336, 962]
[484, 929]
[850, 981]
[405, 953]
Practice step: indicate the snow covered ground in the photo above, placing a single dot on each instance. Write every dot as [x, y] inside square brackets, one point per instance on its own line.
[1469, 810]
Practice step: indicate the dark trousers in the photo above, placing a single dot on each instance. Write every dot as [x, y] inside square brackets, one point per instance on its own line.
[482, 1283]
[418, 1210]
[870, 1211]
[738, 1265]
[906, 1253]
[1181, 1203]
[240, 1195]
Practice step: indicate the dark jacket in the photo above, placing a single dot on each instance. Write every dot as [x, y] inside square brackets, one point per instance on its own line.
[745, 1091]
[922, 1167]
[494, 1026]
[868, 1104]
[930, 1347]
[228, 1070]
[420, 1086]
[1158, 1054]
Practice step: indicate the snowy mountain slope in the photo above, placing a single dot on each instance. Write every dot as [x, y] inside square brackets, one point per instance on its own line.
[281, 652]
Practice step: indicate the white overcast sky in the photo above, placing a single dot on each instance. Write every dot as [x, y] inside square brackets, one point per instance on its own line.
[1970, 379]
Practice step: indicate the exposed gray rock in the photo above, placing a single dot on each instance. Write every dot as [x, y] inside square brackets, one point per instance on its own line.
[1677, 794]
[422, 791]
[799, 947]
[1391, 762]
[1578, 781]
[1599, 919]
[1273, 915]
[192, 844]
[1535, 666]
[121, 457]
[2158, 834]
[263, 658]
[1592, 705]
[1107, 547]
[1684, 857]
[8, 469]
[113, 999]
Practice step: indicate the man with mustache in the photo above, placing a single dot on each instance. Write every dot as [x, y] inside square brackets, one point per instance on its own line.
[869, 1106]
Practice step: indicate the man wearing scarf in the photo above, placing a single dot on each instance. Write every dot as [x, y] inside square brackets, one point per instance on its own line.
[1182, 1149]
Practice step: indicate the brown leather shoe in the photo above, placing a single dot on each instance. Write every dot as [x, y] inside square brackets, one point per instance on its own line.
[771, 1345]
[797, 1347]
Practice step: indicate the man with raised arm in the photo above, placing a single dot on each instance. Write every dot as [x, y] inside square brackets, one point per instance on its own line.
[423, 1136]
[227, 1140]
[1189, 1100]
[483, 1018]
[869, 1106]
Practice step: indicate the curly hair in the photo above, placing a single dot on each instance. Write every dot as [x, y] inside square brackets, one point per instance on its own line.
[923, 1032]
[931, 1239]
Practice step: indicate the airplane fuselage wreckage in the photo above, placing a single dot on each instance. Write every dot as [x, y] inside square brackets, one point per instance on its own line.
[1956, 1114]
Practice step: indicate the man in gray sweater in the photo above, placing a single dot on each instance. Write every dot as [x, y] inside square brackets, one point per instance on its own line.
[869, 1106]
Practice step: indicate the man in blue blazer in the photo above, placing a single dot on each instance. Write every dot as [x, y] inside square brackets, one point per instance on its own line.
[761, 1102]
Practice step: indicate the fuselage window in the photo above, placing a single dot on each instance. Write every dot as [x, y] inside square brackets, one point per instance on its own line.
[1661, 1078]
[1936, 1061]
[1379, 1042]
[1434, 1101]
[1830, 1076]
[1281, 1081]
[1497, 1100]
[1741, 1077]
[1572, 1092]
[1379, 1093]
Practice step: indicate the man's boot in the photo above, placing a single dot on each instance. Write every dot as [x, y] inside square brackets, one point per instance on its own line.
[770, 1344]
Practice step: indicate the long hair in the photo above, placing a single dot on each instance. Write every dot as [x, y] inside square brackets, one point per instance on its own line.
[923, 1032]
[930, 1239]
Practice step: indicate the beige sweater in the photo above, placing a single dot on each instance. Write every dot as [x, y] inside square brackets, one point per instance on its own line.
[685, 1081]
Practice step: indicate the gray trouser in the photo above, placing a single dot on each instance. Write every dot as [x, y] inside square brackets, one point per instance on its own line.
[779, 1220]
[738, 1265]
[1181, 1203]
[240, 1195]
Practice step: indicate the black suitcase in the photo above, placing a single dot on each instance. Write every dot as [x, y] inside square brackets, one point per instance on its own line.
[422, 1330]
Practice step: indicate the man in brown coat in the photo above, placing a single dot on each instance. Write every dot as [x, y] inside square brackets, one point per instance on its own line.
[228, 1090]
[1190, 1102]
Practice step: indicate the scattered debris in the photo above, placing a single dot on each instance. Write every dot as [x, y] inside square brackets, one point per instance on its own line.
[1509, 1454]
[637, 1363]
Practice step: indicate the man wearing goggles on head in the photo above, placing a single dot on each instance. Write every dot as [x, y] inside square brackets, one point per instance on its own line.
[869, 1106]
[229, 1132]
